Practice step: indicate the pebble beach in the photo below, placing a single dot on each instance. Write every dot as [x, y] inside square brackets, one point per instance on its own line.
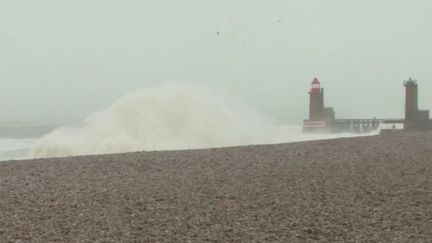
[364, 189]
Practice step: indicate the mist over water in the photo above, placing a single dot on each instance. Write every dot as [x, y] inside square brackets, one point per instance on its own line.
[168, 117]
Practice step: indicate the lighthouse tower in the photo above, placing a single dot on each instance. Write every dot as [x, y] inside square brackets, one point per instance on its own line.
[415, 119]
[316, 103]
[411, 101]
[320, 118]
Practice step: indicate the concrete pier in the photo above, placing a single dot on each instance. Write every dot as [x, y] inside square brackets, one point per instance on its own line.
[322, 119]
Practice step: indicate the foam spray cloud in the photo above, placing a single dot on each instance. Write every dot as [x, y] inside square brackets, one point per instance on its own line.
[174, 116]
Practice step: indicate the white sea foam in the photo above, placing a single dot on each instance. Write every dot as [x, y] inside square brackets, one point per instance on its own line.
[174, 116]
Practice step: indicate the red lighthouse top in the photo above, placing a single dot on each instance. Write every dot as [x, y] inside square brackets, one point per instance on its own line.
[316, 86]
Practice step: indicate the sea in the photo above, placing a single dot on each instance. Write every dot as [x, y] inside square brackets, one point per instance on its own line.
[16, 141]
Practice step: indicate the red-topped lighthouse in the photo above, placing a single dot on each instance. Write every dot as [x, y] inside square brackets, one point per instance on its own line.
[320, 117]
[316, 104]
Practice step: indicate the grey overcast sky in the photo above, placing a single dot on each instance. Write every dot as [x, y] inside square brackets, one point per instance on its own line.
[60, 60]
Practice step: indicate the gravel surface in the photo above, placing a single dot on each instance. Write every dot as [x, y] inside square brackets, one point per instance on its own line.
[370, 189]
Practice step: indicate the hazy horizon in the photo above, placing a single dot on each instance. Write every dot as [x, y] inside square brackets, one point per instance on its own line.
[61, 61]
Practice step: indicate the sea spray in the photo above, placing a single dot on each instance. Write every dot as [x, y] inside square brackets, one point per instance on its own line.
[174, 116]
[167, 117]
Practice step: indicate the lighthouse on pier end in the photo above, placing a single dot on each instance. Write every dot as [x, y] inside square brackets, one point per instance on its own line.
[316, 101]
[415, 119]
[319, 116]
